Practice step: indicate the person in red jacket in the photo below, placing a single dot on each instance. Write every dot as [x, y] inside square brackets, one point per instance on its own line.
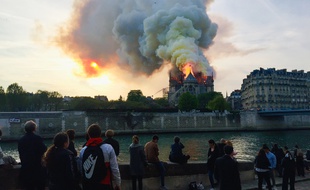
[110, 159]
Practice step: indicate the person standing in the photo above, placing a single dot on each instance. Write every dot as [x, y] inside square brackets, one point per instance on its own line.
[61, 164]
[213, 154]
[93, 178]
[279, 153]
[262, 169]
[227, 169]
[31, 149]
[110, 140]
[71, 147]
[152, 153]
[4, 159]
[273, 164]
[137, 162]
[288, 165]
[176, 155]
[220, 146]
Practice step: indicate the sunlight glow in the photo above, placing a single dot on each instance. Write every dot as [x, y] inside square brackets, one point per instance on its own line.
[102, 80]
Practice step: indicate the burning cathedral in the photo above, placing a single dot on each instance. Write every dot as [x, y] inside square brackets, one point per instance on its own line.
[195, 84]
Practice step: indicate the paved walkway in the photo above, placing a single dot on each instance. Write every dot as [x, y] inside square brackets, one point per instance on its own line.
[302, 183]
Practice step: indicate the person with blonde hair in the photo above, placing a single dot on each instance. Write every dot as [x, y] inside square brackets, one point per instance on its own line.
[109, 134]
[137, 162]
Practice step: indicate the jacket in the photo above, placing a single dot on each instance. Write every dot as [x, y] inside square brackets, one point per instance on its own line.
[137, 159]
[151, 151]
[227, 169]
[110, 161]
[62, 172]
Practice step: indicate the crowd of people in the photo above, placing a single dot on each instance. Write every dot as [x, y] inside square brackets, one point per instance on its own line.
[95, 166]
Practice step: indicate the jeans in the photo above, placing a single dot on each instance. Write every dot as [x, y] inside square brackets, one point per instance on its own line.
[162, 171]
[211, 174]
[266, 177]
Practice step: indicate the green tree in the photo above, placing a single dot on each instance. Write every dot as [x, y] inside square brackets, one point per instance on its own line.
[205, 98]
[85, 103]
[40, 100]
[16, 97]
[2, 99]
[55, 100]
[163, 102]
[135, 96]
[218, 103]
[187, 102]
[120, 98]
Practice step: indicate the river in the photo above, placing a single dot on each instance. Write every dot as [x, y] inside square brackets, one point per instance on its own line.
[246, 144]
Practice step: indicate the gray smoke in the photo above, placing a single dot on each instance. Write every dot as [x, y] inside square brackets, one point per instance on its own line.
[139, 35]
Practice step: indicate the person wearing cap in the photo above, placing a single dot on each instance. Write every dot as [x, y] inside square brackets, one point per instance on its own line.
[111, 141]
[273, 164]
[31, 149]
[226, 168]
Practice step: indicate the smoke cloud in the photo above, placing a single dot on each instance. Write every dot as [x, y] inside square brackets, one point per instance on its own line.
[139, 36]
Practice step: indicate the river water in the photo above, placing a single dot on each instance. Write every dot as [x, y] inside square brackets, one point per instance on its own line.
[246, 144]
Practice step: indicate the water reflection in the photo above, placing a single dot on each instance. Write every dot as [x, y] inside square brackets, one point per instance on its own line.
[246, 144]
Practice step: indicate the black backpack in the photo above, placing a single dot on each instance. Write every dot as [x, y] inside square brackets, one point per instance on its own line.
[93, 166]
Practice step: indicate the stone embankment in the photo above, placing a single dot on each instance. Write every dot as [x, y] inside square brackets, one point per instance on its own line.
[177, 176]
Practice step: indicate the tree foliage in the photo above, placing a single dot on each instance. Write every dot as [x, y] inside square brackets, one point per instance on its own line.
[187, 102]
[205, 98]
[2, 99]
[218, 103]
[135, 96]
[16, 97]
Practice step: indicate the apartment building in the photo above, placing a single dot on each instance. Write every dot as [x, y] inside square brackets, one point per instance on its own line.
[268, 89]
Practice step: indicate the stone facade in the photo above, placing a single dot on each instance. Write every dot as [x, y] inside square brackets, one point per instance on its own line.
[276, 89]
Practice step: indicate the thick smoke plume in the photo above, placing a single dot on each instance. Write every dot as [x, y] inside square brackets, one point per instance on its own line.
[139, 36]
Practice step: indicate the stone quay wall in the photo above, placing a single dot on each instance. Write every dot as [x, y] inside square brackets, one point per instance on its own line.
[177, 176]
[49, 123]
[252, 120]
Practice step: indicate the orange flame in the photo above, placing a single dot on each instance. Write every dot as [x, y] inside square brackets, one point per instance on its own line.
[187, 69]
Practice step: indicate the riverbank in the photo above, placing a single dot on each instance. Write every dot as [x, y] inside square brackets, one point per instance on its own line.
[177, 177]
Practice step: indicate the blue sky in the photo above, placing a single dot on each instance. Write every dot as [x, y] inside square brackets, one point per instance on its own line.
[251, 34]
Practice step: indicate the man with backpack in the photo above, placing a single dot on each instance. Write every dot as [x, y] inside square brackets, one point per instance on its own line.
[98, 163]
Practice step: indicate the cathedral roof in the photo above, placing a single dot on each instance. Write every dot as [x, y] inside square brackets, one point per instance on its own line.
[190, 79]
